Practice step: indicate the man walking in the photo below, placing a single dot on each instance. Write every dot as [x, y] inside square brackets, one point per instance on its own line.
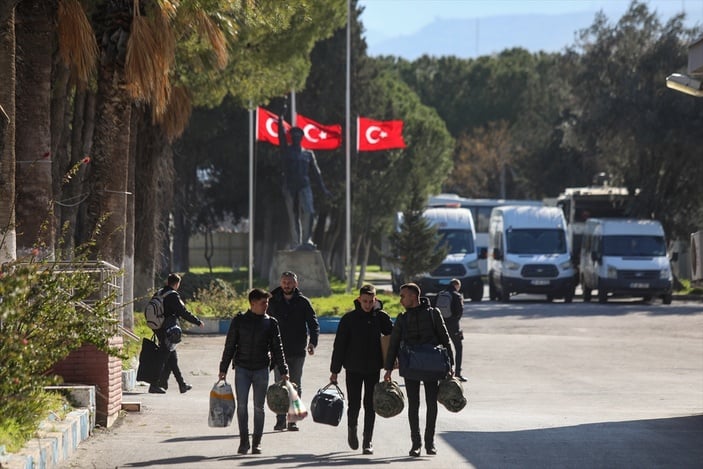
[296, 320]
[419, 324]
[452, 321]
[357, 348]
[253, 340]
[174, 308]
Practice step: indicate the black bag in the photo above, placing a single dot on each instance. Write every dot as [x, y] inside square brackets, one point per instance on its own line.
[150, 362]
[328, 405]
[423, 362]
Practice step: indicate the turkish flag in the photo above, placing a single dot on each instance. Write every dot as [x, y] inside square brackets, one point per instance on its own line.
[378, 135]
[267, 126]
[317, 136]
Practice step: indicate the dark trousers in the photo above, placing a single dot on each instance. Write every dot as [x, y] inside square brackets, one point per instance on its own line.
[169, 360]
[295, 375]
[355, 382]
[457, 338]
[412, 388]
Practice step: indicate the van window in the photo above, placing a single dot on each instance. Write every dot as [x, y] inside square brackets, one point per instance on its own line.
[536, 241]
[457, 241]
[634, 246]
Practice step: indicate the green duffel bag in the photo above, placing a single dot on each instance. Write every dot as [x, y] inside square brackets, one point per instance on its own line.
[451, 394]
[388, 399]
[277, 397]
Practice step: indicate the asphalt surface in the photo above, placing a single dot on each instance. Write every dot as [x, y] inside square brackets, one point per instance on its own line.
[550, 386]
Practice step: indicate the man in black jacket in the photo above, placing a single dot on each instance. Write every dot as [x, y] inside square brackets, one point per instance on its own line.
[252, 339]
[357, 348]
[453, 324]
[419, 324]
[296, 319]
[174, 308]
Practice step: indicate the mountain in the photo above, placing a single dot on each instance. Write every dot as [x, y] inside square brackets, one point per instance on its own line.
[472, 37]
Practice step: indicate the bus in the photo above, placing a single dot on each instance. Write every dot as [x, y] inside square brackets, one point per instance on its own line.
[481, 211]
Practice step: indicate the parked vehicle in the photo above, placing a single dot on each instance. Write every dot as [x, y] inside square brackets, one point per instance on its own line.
[627, 257]
[455, 227]
[529, 253]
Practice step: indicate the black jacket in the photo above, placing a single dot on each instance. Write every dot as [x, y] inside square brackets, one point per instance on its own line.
[252, 340]
[422, 324]
[296, 319]
[357, 345]
[174, 308]
[457, 309]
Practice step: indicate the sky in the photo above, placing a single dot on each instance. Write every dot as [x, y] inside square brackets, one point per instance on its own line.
[385, 19]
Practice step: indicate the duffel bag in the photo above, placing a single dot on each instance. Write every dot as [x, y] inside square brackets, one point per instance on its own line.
[327, 405]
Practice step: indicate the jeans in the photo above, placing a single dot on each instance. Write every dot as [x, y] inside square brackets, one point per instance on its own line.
[412, 387]
[456, 336]
[259, 381]
[355, 382]
[295, 374]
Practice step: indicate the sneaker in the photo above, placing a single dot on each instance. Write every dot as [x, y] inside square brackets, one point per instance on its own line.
[185, 387]
[352, 439]
[279, 426]
[293, 427]
[461, 378]
[368, 448]
[156, 390]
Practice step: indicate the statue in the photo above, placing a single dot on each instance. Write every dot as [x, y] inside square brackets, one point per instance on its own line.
[297, 193]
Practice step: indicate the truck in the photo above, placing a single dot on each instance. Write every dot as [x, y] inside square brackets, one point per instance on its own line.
[625, 257]
[455, 227]
[529, 253]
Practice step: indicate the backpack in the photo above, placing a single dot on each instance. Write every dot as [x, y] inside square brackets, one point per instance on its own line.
[444, 303]
[154, 310]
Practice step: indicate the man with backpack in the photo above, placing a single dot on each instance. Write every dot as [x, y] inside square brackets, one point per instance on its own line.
[451, 304]
[168, 334]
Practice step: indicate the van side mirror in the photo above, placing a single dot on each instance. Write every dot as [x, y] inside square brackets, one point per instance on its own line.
[482, 253]
[497, 255]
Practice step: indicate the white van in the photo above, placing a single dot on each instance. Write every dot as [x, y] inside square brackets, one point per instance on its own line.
[529, 253]
[455, 227]
[627, 257]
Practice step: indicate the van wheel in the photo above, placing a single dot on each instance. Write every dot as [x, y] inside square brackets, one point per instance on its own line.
[477, 294]
[586, 295]
[505, 296]
[569, 297]
[666, 299]
[550, 298]
[647, 298]
[602, 296]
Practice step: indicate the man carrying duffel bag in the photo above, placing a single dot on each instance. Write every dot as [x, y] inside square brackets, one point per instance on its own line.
[357, 348]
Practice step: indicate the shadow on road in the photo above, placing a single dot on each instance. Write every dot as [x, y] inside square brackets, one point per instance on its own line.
[671, 442]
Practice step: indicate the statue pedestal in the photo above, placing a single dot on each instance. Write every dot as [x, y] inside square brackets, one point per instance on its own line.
[308, 266]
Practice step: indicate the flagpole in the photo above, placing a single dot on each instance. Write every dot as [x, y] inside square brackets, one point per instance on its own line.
[293, 109]
[350, 275]
[251, 197]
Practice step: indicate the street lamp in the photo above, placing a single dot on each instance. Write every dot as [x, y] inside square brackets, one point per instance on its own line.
[685, 84]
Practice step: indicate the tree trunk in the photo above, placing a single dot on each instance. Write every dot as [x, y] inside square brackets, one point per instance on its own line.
[60, 138]
[8, 243]
[33, 179]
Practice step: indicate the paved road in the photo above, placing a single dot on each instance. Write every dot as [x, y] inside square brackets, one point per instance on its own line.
[551, 385]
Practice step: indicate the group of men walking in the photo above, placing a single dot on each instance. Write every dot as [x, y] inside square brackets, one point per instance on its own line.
[280, 328]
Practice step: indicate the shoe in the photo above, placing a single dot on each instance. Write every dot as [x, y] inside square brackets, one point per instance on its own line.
[153, 389]
[243, 446]
[185, 387]
[352, 439]
[293, 427]
[368, 448]
[256, 445]
[431, 450]
[279, 427]
[415, 451]
[461, 378]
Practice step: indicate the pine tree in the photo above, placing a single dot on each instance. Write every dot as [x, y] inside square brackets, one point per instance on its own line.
[414, 247]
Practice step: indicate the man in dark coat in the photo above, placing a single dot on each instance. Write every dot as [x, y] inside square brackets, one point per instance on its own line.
[357, 348]
[454, 326]
[296, 319]
[174, 308]
[253, 340]
[419, 324]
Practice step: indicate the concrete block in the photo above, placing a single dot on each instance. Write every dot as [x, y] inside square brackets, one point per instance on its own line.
[307, 265]
[129, 379]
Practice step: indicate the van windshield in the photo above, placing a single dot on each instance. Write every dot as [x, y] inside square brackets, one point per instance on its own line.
[536, 241]
[634, 246]
[457, 241]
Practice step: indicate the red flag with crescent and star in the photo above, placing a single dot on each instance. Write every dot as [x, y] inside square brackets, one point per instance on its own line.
[379, 135]
[318, 136]
[267, 126]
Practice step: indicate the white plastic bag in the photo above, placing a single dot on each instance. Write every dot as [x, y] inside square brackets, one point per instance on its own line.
[222, 405]
[297, 410]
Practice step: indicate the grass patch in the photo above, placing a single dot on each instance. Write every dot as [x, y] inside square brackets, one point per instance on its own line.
[14, 434]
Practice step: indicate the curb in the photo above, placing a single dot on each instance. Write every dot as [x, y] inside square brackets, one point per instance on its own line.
[56, 440]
